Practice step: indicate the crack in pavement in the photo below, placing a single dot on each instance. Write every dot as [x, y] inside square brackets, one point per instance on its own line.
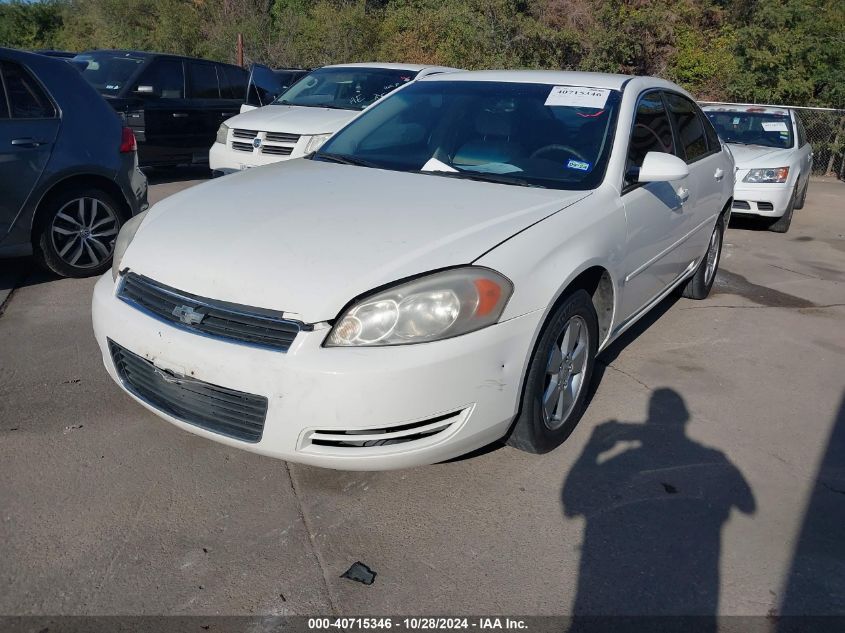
[813, 307]
[314, 549]
[624, 373]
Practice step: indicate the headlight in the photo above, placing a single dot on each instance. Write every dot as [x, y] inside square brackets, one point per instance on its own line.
[124, 238]
[222, 134]
[316, 142]
[438, 306]
[774, 174]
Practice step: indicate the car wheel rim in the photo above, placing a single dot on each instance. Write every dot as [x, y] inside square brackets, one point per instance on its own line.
[83, 232]
[712, 256]
[565, 370]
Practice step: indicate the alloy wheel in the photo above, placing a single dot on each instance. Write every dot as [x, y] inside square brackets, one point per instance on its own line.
[83, 232]
[712, 256]
[565, 372]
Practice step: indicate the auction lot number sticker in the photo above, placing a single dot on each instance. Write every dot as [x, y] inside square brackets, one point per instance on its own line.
[417, 624]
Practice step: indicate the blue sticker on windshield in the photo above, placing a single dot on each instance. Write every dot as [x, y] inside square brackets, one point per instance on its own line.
[580, 165]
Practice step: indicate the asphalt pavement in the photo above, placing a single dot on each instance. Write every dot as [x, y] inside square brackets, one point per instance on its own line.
[706, 476]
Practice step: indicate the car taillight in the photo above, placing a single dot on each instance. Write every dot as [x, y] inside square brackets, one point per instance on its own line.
[127, 141]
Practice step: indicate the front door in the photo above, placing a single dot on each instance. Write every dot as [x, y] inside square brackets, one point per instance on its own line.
[655, 212]
[167, 136]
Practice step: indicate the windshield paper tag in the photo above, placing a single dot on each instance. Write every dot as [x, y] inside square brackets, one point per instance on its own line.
[578, 164]
[775, 126]
[577, 97]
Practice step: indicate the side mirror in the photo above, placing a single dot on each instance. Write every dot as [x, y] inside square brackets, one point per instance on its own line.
[660, 167]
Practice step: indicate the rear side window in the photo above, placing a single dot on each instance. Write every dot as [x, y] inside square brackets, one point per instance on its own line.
[711, 134]
[688, 125]
[232, 82]
[651, 132]
[164, 78]
[26, 98]
[202, 81]
[4, 103]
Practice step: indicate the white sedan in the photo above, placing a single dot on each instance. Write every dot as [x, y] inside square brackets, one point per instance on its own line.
[440, 275]
[305, 115]
[774, 160]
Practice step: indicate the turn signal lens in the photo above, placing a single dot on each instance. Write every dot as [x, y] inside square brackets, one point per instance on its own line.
[431, 308]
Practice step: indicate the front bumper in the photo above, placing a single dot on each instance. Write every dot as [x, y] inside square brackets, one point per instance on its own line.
[312, 390]
[225, 160]
[769, 200]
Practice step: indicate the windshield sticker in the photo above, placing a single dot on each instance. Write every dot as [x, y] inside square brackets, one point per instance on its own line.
[775, 126]
[580, 165]
[736, 120]
[577, 97]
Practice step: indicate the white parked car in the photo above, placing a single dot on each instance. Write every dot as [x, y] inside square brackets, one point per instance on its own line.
[305, 115]
[441, 274]
[774, 160]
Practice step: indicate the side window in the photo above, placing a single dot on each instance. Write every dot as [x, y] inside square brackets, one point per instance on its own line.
[4, 103]
[651, 132]
[26, 98]
[802, 133]
[232, 82]
[202, 81]
[710, 132]
[164, 78]
[688, 125]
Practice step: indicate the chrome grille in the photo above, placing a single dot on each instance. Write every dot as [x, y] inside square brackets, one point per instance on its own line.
[281, 137]
[276, 150]
[212, 407]
[240, 133]
[209, 317]
[242, 147]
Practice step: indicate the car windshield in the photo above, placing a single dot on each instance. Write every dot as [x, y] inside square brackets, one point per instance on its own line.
[107, 72]
[769, 129]
[525, 134]
[351, 88]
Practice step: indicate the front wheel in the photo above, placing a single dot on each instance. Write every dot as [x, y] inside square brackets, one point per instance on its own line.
[558, 376]
[77, 232]
[698, 286]
[781, 224]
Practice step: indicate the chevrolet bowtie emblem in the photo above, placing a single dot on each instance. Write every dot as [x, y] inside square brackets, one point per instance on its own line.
[187, 315]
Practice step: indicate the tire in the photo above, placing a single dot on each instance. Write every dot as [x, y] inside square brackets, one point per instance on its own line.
[78, 241]
[698, 286]
[535, 431]
[781, 224]
[799, 204]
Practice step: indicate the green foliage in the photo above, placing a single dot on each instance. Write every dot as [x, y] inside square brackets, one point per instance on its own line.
[784, 51]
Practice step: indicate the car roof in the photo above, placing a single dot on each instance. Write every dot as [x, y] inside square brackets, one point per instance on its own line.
[736, 107]
[389, 65]
[552, 77]
[149, 54]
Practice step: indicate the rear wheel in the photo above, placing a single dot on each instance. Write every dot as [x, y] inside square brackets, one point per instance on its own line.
[77, 232]
[698, 286]
[558, 376]
[781, 224]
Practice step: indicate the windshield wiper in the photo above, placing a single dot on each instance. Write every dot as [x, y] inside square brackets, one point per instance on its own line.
[342, 159]
[482, 177]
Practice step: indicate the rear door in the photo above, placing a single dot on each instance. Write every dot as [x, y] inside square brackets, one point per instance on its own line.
[29, 124]
[167, 137]
[205, 107]
[707, 173]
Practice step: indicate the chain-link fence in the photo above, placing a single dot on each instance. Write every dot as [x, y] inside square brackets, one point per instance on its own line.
[826, 133]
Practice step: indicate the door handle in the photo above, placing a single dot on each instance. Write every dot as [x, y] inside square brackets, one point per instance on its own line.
[683, 194]
[27, 142]
[179, 115]
[719, 174]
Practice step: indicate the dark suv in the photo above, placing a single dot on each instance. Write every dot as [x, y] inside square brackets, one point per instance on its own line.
[69, 174]
[173, 104]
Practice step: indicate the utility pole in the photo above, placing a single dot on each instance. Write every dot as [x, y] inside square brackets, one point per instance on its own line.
[240, 49]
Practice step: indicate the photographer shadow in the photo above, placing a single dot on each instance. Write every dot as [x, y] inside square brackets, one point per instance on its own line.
[654, 502]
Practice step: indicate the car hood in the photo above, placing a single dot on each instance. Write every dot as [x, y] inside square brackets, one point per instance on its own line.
[293, 119]
[748, 156]
[305, 237]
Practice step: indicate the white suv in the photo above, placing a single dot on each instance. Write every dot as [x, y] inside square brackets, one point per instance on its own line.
[308, 113]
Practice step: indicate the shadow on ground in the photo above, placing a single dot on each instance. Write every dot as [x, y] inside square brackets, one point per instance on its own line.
[164, 175]
[654, 502]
